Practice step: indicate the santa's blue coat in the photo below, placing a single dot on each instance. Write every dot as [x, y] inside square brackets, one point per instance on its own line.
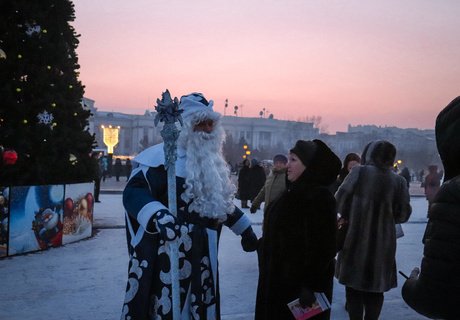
[148, 292]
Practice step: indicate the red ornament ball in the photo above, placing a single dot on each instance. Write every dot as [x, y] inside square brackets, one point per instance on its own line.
[10, 157]
[68, 207]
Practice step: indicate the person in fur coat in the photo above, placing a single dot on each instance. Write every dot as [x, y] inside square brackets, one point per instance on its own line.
[205, 203]
[435, 293]
[373, 199]
[274, 186]
[297, 249]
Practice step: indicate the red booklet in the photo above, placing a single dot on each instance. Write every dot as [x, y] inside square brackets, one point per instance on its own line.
[321, 304]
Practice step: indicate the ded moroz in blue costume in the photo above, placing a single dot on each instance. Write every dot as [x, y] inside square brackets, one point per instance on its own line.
[204, 203]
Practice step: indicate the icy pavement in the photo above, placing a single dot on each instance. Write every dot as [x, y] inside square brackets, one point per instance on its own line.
[86, 280]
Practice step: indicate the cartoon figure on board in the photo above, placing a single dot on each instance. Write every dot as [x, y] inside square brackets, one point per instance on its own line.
[47, 227]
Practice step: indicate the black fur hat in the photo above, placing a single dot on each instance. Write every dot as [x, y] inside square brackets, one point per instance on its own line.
[305, 150]
[322, 163]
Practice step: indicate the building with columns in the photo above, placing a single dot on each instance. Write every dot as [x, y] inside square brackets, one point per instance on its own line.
[139, 131]
[417, 148]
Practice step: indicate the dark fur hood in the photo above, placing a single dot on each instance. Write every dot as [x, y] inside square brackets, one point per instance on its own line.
[322, 169]
[379, 153]
[448, 138]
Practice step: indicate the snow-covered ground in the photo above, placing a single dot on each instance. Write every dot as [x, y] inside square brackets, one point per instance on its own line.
[86, 280]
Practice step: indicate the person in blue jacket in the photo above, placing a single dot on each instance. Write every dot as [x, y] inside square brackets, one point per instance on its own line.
[205, 203]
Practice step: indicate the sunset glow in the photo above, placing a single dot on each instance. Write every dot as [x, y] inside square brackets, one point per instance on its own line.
[351, 62]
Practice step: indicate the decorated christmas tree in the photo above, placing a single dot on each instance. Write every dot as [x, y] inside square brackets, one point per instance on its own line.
[44, 137]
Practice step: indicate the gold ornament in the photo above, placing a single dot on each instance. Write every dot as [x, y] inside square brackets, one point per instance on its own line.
[53, 105]
[48, 67]
[25, 121]
[45, 31]
[70, 86]
[18, 89]
[19, 56]
[75, 114]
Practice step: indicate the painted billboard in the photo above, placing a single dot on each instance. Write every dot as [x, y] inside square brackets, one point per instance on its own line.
[35, 221]
[78, 212]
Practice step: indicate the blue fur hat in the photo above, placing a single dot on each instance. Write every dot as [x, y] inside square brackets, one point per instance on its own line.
[197, 108]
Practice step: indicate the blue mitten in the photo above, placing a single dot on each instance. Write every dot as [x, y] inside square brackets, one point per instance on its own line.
[166, 224]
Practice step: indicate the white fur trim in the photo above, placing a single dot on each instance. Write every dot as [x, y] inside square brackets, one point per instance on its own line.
[151, 157]
[135, 237]
[193, 104]
[155, 157]
[242, 224]
[148, 211]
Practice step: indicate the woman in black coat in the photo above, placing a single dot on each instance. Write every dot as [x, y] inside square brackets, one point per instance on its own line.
[298, 246]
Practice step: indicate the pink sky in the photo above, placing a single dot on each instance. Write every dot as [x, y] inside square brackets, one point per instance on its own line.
[353, 62]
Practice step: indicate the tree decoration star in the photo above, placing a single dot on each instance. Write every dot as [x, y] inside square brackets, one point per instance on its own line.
[45, 118]
[32, 29]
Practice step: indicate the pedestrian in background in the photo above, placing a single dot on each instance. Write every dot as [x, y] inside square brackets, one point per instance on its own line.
[435, 293]
[257, 178]
[432, 183]
[244, 183]
[350, 160]
[97, 175]
[297, 248]
[128, 168]
[117, 168]
[373, 199]
[274, 186]
[405, 173]
[105, 167]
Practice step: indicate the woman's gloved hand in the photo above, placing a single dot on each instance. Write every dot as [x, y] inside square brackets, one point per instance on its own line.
[249, 240]
[306, 298]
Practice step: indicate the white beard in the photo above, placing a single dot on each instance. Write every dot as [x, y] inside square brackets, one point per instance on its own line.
[207, 181]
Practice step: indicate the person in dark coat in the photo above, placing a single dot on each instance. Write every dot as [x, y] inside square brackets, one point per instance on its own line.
[297, 248]
[274, 185]
[405, 173]
[128, 168]
[257, 178]
[373, 198]
[244, 183]
[204, 196]
[435, 292]
[118, 168]
[97, 175]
